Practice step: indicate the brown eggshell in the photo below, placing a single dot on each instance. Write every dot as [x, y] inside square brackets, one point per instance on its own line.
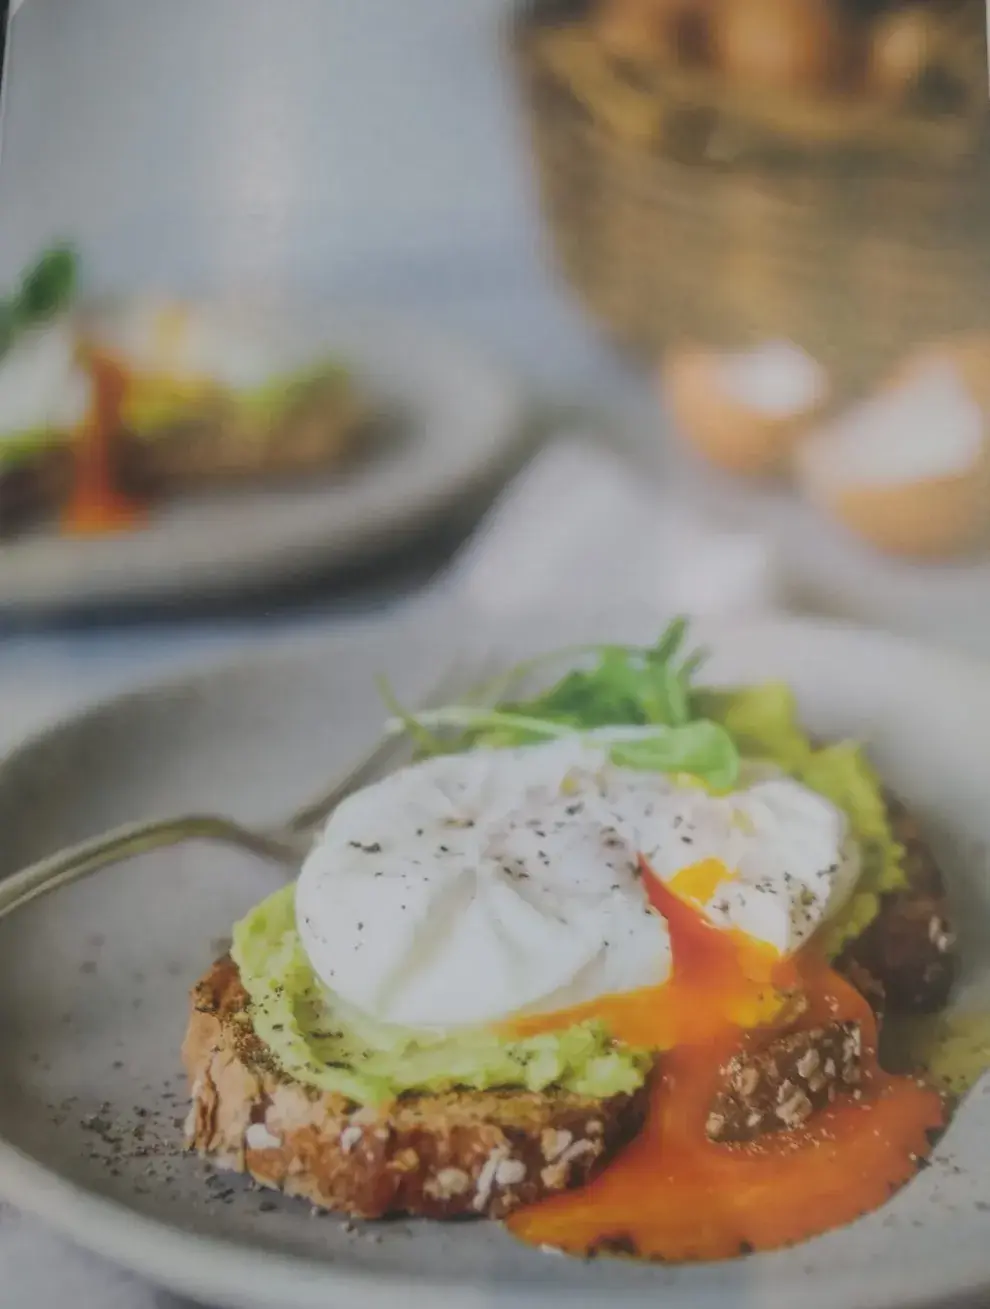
[967, 352]
[641, 31]
[726, 431]
[930, 520]
[903, 44]
[931, 517]
[790, 45]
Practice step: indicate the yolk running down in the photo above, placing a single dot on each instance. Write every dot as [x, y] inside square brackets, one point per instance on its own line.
[675, 1196]
[95, 504]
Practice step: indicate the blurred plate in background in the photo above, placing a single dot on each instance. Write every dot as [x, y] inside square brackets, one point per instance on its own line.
[454, 423]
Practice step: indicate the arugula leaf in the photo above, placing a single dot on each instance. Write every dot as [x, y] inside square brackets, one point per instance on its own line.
[701, 749]
[8, 326]
[414, 727]
[48, 287]
[628, 686]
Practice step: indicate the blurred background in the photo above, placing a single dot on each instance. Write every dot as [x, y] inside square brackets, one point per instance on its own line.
[292, 291]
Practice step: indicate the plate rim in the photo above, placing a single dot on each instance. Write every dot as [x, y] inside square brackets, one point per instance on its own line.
[227, 1272]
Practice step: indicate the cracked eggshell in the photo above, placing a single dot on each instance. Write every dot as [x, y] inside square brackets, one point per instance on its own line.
[908, 469]
[744, 410]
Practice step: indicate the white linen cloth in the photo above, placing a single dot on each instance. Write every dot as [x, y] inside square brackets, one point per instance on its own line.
[581, 526]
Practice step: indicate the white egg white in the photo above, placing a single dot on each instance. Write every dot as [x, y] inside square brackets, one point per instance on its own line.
[172, 338]
[468, 889]
[42, 386]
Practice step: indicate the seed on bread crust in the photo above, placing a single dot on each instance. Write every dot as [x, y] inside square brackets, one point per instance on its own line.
[553, 1142]
[440, 1156]
[781, 1085]
[258, 1137]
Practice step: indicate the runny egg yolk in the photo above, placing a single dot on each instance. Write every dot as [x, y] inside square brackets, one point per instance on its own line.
[700, 881]
[673, 1194]
[737, 987]
[96, 504]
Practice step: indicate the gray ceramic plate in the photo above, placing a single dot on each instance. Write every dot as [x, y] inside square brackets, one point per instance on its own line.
[458, 418]
[93, 983]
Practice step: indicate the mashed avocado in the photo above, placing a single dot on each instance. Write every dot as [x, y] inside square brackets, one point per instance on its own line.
[763, 722]
[324, 1043]
[17, 447]
[156, 402]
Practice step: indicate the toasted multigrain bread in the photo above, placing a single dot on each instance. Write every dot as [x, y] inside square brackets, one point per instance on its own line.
[781, 1084]
[904, 962]
[322, 433]
[223, 446]
[464, 1153]
[33, 487]
[484, 1153]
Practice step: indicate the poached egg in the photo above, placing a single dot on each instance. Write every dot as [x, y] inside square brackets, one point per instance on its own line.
[192, 344]
[42, 386]
[474, 889]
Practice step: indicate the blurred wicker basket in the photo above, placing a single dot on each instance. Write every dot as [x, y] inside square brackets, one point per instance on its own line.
[682, 209]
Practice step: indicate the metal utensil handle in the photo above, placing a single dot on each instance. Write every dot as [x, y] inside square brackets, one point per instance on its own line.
[77, 861]
[386, 752]
[281, 844]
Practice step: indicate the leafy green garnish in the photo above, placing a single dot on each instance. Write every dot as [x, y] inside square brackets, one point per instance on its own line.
[699, 732]
[47, 288]
[700, 749]
[627, 686]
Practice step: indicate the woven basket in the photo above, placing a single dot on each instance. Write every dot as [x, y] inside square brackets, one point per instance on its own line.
[856, 235]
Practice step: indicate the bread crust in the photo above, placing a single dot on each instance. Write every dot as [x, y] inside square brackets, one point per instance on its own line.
[905, 961]
[453, 1155]
[224, 447]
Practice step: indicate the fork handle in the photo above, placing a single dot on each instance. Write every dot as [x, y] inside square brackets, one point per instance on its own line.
[120, 843]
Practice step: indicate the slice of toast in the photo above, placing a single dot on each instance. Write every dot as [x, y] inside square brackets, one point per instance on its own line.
[905, 962]
[484, 1153]
[33, 487]
[225, 447]
[458, 1154]
[323, 433]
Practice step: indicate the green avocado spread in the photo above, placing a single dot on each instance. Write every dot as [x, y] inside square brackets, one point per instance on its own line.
[324, 1043]
[18, 447]
[155, 403]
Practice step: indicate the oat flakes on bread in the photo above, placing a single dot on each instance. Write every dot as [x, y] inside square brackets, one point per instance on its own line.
[460, 1154]
[904, 962]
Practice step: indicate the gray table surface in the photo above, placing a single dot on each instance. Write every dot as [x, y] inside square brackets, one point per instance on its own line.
[366, 150]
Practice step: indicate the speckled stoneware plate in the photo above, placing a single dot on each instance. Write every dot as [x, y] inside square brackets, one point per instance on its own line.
[93, 984]
[453, 421]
